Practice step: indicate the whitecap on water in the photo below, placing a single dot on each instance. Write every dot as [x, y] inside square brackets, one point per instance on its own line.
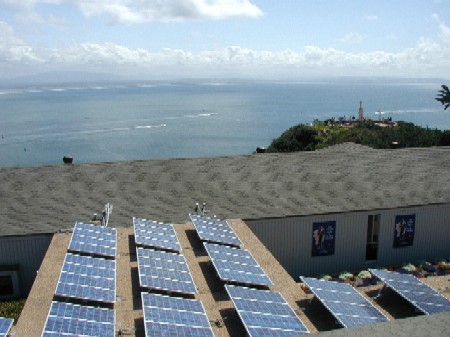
[150, 126]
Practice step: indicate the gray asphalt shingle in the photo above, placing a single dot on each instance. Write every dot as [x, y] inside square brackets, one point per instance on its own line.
[342, 178]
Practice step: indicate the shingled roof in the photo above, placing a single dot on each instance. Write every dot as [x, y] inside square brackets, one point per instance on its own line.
[342, 178]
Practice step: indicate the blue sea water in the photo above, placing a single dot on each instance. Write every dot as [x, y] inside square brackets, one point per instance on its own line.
[40, 125]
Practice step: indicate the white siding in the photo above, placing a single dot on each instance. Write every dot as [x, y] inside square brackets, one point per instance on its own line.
[290, 240]
[26, 251]
[431, 237]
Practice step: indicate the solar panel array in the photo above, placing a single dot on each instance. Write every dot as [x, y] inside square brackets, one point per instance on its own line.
[170, 316]
[164, 271]
[72, 320]
[92, 239]
[236, 265]
[414, 291]
[215, 230]
[87, 278]
[154, 234]
[346, 304]
[265, 313]
[5, 326]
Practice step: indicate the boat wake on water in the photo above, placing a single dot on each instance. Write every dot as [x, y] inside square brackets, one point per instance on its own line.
[150, 126]
[406, 111]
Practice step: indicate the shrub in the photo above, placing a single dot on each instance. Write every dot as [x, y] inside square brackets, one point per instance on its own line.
[11, 308]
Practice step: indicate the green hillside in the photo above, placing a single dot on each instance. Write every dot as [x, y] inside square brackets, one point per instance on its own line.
[377, 135]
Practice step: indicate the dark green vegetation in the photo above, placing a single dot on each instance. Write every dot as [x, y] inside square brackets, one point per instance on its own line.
[12, 308]
[387, 136]
[320, 135]
[444, 96]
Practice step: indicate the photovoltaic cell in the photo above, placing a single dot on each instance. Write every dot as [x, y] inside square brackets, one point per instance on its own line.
[414, 291]
[265, 313]
[87, 278]
[215, 230]
[71, 320]
[77, 264]
[164, 271]
[154, 234]
[171, 316]
[236, 265]
[5, 326]
[346, 304]
[99, 240]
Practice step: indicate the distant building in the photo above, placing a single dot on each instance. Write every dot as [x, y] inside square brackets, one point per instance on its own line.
[360, 111]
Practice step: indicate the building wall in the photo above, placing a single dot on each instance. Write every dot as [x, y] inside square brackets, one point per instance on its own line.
[290, 240]
[27, 252]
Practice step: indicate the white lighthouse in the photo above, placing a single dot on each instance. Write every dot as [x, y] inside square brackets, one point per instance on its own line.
[360, 111]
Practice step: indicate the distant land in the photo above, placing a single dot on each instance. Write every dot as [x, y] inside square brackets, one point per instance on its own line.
[67, 78]
[385, 134]
[61, 78]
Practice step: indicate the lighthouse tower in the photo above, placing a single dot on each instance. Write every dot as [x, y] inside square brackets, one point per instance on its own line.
[360, 111]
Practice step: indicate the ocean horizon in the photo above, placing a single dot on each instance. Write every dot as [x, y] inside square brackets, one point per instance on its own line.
[40, 124]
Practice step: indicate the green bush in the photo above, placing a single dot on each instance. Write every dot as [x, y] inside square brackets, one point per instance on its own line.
[309, 138]
[11, 308]
[297, 138]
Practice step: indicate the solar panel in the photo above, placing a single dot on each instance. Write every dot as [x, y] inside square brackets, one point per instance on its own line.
[236, 265]
[414, 291]
[346, 304]
[71, 320]
[155, 234]
[99, 240]
[171, 316]
[265, 313]
[5, 326]
[215, 230]
[87, 278]
[164, 271]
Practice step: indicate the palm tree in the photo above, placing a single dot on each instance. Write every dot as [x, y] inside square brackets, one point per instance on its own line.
[444, 96]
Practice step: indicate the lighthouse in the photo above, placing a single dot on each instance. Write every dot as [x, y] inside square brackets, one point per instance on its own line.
[360, 111]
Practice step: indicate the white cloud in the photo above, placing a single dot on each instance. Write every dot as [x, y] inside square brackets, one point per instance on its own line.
[142, 11]
[124, 11]
[427, 58]
[12, 47]
[25, 5]
[445, 30]
[24, 11]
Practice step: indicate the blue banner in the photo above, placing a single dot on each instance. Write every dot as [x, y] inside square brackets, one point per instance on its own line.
[324, 235]
[404, 230]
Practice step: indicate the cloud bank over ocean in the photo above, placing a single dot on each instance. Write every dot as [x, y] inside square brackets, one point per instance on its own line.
[23, 52]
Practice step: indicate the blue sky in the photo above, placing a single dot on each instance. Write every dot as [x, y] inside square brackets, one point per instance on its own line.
[285, 39]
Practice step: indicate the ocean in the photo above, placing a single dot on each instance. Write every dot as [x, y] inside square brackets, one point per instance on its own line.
[41, 124]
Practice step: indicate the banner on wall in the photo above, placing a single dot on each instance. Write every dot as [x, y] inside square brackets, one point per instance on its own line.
[404, 230]
[324, 234]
